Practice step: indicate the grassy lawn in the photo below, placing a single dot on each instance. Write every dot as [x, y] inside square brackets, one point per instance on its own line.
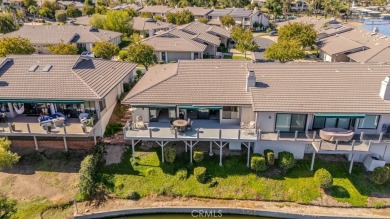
[236, 57]
[235, 180]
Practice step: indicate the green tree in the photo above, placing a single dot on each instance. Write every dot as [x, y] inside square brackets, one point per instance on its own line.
[131, 12]
[88, 10]
[135, 38]
[146, 14]
[28, 3]
[7, 158]
[180, 17]
[244, 39]
[73, 12]
[158, 18]
[33, 10]
[305, 34]
[203, 20]
[15, 45]
[48, 9]
[285, 51]
[63, 49]
[98, 21]
[7, 23]
[141, 54]
[274, 7]
[118, 21]
[228, 21]
[100, 9]
[105, 50]
[60, 16]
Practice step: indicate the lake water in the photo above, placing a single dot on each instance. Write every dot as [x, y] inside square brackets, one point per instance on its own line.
[383, 26]
[185, 216]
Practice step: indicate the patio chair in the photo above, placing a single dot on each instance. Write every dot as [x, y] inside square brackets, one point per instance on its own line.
[173, 128]
[189, 126]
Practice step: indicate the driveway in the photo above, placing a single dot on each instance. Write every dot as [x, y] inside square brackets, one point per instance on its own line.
[263, 43]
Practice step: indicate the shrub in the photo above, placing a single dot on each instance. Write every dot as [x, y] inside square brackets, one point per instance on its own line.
[380, 175]
[213, 183]
[286, 160]
[200, 174]
[169, 154]
[160, 62]
[258, 163]
[87, 172]
[323, 178]
[269, 157]
[132, 195]
[112, 129]
[150, 172]
[198, 156]
[122, 54]
[182, 173]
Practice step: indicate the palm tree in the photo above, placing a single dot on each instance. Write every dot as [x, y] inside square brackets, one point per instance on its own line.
[7, 23]
[33, 10]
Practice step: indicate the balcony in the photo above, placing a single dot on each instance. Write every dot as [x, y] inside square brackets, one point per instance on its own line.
[29, 126]
[202, 130]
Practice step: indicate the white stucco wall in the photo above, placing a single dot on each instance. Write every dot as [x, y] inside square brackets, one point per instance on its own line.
[247, 114]
[295, 147]
[266, 121]
[384, 119]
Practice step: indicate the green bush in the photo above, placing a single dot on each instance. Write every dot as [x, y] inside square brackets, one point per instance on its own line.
[198, 156]
[122, 54]
[268, 30]
[7, 207]
[150, 171]
[213, 183]
[286, 160]
[269, 157]
[87, 172]
[112, 129]
[160, 62]
[170, 154]
[182, 173]
[258, 163]
[132, 195]
[323, 178]
[200, 174]
[381, 175]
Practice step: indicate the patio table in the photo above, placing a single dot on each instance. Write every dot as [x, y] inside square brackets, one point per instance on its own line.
[181, 124]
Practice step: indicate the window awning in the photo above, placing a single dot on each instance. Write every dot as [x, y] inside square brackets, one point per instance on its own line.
[42, 101]
[339, 115]
[154, 106]
[201, 107]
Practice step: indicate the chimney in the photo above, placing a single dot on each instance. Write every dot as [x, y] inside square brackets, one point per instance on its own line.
[384, 93]
[251, 81]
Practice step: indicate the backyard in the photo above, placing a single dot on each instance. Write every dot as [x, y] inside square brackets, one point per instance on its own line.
[235, 181]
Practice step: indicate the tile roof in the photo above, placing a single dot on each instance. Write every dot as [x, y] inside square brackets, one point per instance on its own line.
[70, 77]
[124, 6]
[175, 40]
[156, 9]
[84, 20]
[220, 82]
[51, 34]
[141, 24]
[339, 44]
[289, 87]
[196, 11]
[241, 12]
[198, 27]
[220, 12]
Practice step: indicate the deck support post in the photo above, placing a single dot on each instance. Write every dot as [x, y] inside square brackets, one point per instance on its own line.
[384, 152]
[162, 151]
[10, 128]
[220, 134]
[314, 135]
[369, 144]
[351, 165]
[94, 136]
[258, 137]
[361, 136]
[150, 132]
[133, 149]
[220, 154]
[191, 152]
[239, 134]
[380, 137]
[36, 143]
[249, 154]
[197, 133]
[337, 144]
[312, 161]
[278, 135]
[65, 144]
[211, 149]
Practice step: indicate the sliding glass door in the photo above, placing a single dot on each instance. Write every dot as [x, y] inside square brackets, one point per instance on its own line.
[320, 123]
[290, 122]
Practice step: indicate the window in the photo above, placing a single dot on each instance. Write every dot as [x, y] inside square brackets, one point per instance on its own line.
[369, 122]
[290, 122]
[102, 105]
[196, 55]
[230, 112]
[320, 123]
[163, 56]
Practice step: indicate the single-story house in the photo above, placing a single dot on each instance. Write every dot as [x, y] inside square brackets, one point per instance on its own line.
[160, 10]
[135, 7]
[70, 86]
[42, 36]
[266, 106]
[150, 26]
[188, 42]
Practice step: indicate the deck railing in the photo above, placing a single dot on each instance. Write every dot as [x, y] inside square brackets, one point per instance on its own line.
[26, 129]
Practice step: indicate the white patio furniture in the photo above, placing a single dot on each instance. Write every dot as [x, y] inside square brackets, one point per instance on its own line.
[83, 117]
[59, 122]
[333, 134]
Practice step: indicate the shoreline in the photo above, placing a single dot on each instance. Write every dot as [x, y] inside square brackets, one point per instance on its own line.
[165, 203]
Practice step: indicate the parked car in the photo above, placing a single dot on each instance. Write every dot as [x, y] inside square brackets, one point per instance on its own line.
[273, 33]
